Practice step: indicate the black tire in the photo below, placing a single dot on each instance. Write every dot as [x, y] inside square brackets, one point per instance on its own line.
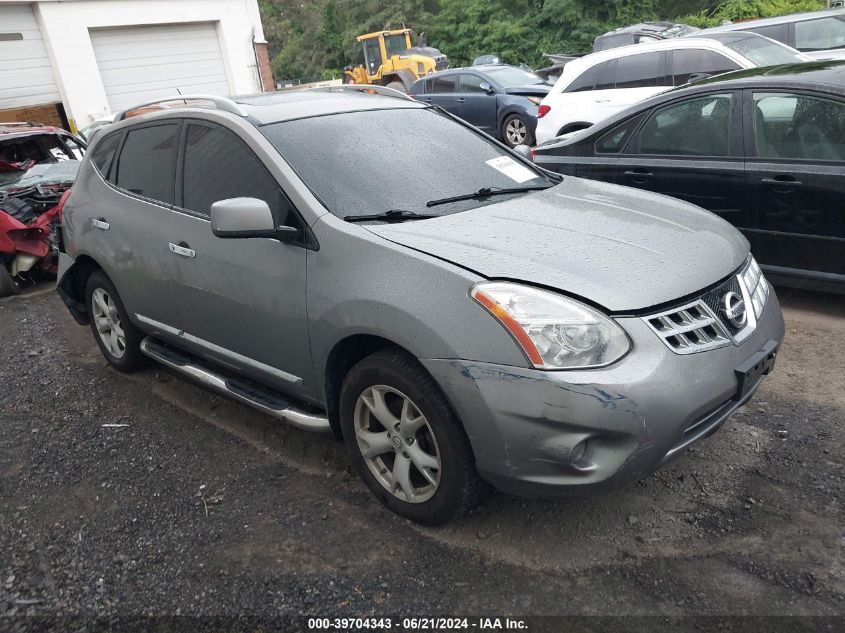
[8, 286]
[397, 85]
[21, 210]
[459, 487]
[131, 359]
[516, 119]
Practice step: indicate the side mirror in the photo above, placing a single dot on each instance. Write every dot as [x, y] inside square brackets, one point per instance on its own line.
[244, 218]
[490, 90]
[524, 151]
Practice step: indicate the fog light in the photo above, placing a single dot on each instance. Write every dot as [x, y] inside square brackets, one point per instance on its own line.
[578, 452]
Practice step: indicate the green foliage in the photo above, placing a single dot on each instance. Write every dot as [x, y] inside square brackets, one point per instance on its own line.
[307, 37]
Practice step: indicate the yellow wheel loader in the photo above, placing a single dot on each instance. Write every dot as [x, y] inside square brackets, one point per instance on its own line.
[390, 60]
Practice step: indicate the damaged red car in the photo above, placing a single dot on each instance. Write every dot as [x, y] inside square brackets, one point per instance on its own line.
[38, 165]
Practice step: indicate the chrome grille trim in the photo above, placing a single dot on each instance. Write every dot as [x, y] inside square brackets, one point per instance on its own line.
[689, 329]
[698, 326]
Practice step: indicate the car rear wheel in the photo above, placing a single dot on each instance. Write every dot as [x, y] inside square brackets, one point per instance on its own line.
[405, 441]
[8, 286]
[515, 131]
[117, 338]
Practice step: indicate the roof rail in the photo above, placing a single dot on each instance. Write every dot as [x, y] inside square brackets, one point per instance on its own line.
[222, 103]
[380, 90]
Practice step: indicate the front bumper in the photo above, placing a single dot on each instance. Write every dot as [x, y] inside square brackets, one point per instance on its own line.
[529, 428]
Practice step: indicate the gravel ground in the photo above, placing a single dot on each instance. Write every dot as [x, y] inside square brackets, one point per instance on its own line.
[195, 505]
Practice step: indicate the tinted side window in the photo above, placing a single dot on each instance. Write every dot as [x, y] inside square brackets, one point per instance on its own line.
[209, 173]
[638, 71]
[444, 84]
[472, 83]
[615, 140]
[799, 127]
[588, 79]
[696, 127]
[104, 153]
[147, 164]
[775, 32]
[821, 34]
[694, 61]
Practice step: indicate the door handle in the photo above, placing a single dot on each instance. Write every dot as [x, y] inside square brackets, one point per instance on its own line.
[182, 249]
[602, 100]
[782, 183]
[100, 223]
[461, 100]
[638, 174]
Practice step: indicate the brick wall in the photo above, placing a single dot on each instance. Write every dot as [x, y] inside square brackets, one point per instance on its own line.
[49, 114]
[264, 66]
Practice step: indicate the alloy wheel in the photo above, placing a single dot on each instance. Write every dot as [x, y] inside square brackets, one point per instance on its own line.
[516, 131]
[107, 322]
[397, 444]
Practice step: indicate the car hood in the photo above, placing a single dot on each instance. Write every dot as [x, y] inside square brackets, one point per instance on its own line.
[538, 90]
[622, 248]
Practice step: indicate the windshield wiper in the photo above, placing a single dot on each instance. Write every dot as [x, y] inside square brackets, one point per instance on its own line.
[394, 215]
[485, 192]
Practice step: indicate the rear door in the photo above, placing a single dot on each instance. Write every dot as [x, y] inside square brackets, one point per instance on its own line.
[443, 91]
[636, 77]
[796, 176]
[132, 223]
[692, 149]
[478, 106]
[241, 301]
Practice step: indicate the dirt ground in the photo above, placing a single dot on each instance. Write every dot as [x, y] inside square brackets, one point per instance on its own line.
[196, 505]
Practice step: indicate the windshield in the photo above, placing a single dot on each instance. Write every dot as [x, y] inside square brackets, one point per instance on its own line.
[44, 174]
[361, 163]
[509, 77]
[765, 52]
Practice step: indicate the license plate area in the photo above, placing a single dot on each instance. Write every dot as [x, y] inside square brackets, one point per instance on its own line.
[749, 373]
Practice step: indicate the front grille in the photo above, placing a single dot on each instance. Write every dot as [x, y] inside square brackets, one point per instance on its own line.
[713, 299]
[703, 324]
[689, 329]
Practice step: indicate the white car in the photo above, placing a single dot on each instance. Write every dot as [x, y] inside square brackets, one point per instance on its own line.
[601, 84]
[817, 34]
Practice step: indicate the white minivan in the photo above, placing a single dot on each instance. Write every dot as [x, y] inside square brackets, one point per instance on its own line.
[601, 84]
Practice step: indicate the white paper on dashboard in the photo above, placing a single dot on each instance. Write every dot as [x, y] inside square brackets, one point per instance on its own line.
[512, 169]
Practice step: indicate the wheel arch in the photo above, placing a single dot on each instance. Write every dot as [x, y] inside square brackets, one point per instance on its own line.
[345, 354]
[71, 286]
[573, 127]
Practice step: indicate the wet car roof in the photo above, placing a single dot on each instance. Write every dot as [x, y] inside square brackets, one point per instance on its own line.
[297, 104]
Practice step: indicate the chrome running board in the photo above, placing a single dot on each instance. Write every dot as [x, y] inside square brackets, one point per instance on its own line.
[257, 397]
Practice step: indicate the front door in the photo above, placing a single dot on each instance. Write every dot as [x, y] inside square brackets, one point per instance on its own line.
[241, 301]
[479, 106]
[692, 150]
[795, 172]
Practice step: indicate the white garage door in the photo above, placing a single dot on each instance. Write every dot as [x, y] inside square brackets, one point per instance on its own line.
[26, 77]
[142, 63]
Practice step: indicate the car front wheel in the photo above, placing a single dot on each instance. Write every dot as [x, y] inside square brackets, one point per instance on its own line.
[405, 441]
[515, 131]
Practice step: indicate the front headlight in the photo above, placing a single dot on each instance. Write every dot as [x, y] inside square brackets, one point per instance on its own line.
[756, 285]
[555, 332]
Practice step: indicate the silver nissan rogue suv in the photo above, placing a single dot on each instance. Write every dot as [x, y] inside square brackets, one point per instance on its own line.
[369, 265]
